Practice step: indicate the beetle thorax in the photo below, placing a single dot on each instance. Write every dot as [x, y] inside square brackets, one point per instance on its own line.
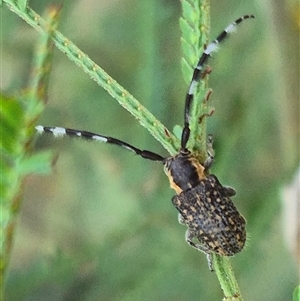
[184, 171]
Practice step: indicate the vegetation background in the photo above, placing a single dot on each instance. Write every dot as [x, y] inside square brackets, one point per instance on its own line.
[101, 226]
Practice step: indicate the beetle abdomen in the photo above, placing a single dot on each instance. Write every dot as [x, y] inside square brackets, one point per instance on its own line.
[211, 215]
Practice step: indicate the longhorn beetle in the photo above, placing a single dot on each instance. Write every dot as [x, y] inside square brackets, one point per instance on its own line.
[203, 203]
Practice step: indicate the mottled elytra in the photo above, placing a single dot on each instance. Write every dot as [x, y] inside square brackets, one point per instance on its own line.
[203, 203]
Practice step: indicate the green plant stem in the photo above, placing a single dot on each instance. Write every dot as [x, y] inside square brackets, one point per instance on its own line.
[226, 278]
[195, 27]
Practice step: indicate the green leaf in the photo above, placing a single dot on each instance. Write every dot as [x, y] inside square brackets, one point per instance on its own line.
[11, 118]
[22, 4]
[296, 293]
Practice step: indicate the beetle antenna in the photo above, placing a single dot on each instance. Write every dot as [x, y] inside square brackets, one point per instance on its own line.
[59, 132]
[198, 72]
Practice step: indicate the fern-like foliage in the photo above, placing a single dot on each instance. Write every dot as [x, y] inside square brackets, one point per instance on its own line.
[194, 25]
[18, 115]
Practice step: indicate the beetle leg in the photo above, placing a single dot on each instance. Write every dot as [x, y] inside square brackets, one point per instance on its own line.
[230, 191]
[181, 220]
[209, 261]
[189, 236]
[210, 152]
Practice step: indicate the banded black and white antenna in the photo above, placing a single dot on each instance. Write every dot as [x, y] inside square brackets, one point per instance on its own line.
[198, 72]
[60, 132]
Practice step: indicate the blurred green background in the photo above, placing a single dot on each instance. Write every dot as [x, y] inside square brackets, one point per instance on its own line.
[102, 226]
